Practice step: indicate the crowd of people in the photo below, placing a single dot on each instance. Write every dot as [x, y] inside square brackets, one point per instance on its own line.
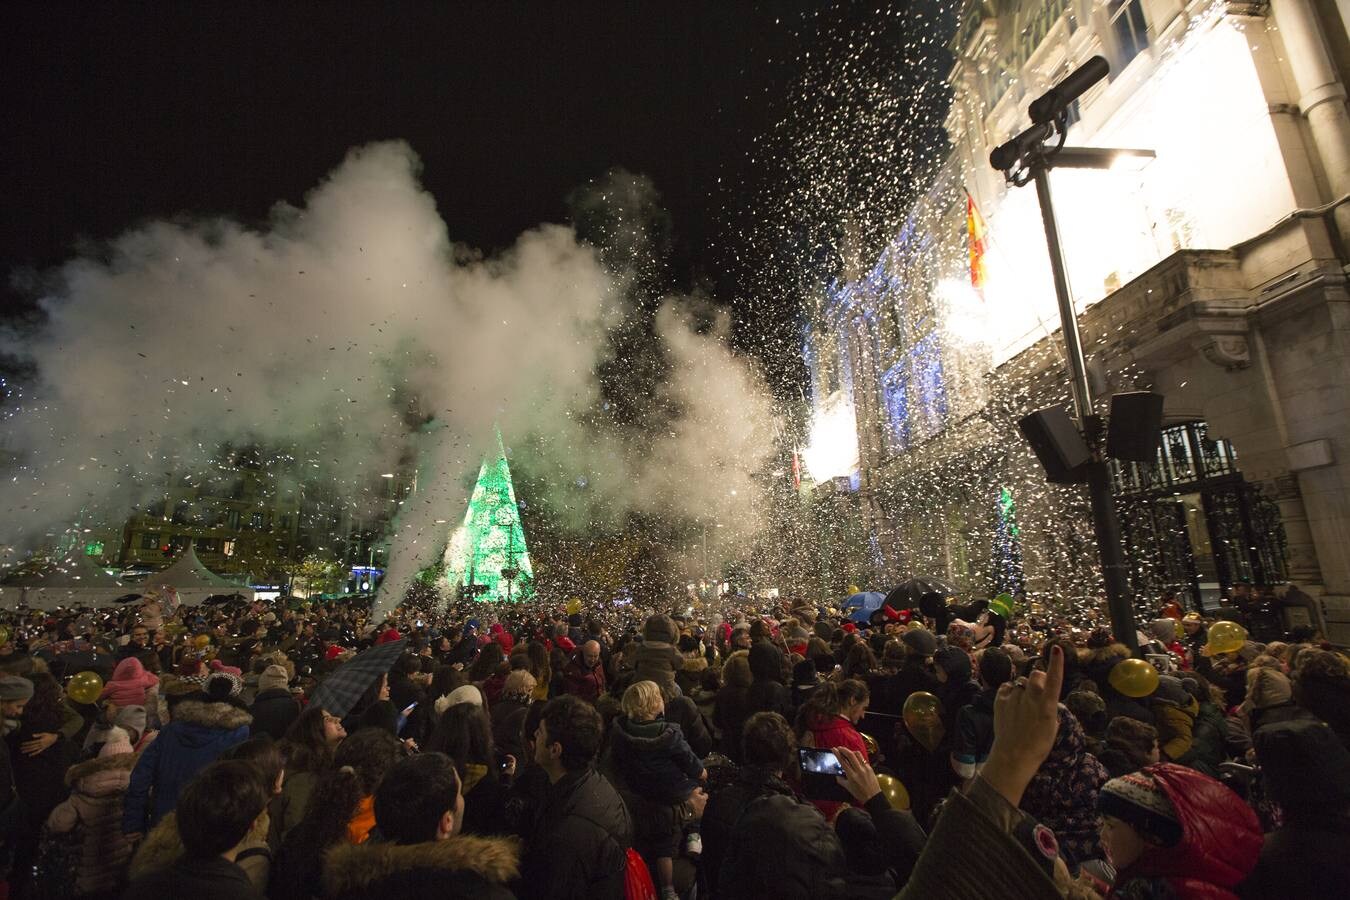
[733, 750]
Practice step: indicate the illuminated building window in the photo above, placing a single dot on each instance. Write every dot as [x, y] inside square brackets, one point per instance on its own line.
[150, 540]
[228, 548]
[1130, 28]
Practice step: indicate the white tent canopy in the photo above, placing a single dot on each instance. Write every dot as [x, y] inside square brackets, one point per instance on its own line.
[73, 581]
[193, 581]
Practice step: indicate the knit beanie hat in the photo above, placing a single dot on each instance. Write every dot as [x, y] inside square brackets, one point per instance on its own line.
[14, 687]
[1164, 630]
[273, 678]
[467, 693]
[955, 662]
[116, 742]
[1139, 801]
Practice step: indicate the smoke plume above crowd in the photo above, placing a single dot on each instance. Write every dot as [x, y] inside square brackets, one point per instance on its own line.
[347, 334]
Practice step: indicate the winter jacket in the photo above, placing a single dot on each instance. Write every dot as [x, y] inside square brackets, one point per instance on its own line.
[730, 710]
[485, 797]
[578, 845]
[786, 849]
[1062, 795]
[128, 684]
[1329, 700]
[1208, 738]
[690, 674]
[199, 733]
[1012, 863]
[889, 692]
[1303, 858]
[1220, 841]
[508, 723]
[214, 878]
[1176, 725]
[767, 692]
[41, 779]
[162, 847]
[273, 712]
[974, 733]
[288, 807]
[656, 658]
[654, 759]
[724, 809]
[462, 866]
[684, 712]
[580, 680]
[95, 807]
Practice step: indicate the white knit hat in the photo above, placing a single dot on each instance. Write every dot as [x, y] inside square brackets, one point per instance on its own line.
[469, 693]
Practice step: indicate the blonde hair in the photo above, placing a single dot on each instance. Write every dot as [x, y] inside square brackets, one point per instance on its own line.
[520, 681]
[642, 701]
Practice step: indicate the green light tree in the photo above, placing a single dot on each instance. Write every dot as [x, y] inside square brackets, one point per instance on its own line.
[487, 558]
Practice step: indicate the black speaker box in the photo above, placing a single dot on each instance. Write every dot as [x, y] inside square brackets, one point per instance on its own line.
[1135, 427]
[1057, 444]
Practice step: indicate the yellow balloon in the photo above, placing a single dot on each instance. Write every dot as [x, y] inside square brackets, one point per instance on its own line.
[894, 791]
[85, 687]
[923, 718]
[5, 634]
[871, 744]
[1133, 678]
[573, 606]
[202, 641]
[1225, 637]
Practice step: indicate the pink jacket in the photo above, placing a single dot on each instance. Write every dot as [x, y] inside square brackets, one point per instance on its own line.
[128, 684]
[95, 807]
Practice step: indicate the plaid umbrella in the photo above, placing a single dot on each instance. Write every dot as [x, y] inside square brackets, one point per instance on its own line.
[340, 691]
[906, 594]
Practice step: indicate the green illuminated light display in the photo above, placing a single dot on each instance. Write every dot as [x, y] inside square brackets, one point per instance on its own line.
[487, 558]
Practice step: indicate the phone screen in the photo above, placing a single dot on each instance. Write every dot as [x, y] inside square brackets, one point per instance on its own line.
[819, 771]
[820, 762]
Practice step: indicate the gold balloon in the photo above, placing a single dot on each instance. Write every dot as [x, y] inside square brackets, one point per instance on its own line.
[923, 718]
[5, 634]
[202, 641]
[1225, 637]
[85, 687]
[871, 744]
[894, 791]
[1133, 678]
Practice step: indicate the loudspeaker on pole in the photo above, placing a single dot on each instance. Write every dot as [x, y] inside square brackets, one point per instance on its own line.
[1135, 427]
[1055, 440]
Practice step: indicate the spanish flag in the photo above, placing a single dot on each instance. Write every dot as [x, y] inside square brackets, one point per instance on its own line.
[975, 234]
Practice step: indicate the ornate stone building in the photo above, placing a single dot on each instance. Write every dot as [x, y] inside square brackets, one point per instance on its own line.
[1216, 276]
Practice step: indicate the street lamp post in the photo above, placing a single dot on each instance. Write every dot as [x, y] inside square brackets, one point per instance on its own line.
[1027, 158]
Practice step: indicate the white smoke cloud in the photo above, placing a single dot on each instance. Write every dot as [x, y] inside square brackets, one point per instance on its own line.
[321, 331]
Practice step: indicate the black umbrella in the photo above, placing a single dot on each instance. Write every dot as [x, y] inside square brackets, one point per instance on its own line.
[906, 594]
[128, 598]
[222, 599]
[340, 691]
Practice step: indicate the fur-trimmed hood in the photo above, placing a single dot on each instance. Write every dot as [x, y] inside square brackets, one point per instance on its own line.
[212, 714]
[695, 664]
[1097, 655]
[120, 762]
[358, 868]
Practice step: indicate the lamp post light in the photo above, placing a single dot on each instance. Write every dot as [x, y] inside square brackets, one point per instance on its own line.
[1027, 157]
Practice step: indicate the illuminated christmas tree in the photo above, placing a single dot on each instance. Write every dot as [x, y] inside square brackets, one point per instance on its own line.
[1007, 556]
[486, 558]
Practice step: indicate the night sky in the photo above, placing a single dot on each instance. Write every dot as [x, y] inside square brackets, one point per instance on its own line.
[117, 113]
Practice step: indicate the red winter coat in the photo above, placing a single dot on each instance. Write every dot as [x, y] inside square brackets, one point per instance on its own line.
[579, 680]
[828, 733]
[1220, 839]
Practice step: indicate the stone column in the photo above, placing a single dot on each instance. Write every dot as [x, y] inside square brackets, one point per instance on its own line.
[1302, 560]
[1321, 95]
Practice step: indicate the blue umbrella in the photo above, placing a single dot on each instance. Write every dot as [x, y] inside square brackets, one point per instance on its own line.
[864, 604]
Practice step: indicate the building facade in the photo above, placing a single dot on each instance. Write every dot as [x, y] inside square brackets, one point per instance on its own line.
[1216, 276]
